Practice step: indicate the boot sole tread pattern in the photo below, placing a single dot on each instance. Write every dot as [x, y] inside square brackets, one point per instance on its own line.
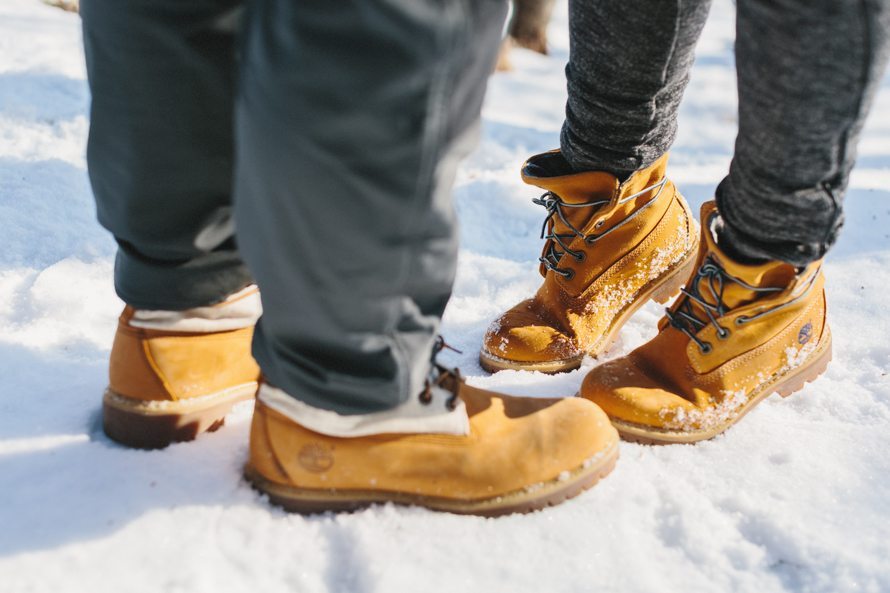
[550, 493]
[785, 384]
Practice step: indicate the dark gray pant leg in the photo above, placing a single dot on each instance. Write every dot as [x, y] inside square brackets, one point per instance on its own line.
[351, 118]
[808, 71]
[629, 64]
[162, 76]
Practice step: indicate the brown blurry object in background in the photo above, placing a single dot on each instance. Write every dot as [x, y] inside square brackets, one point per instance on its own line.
[527, 29]
[69, 5]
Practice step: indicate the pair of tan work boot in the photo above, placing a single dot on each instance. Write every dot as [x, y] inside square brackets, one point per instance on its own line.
[451, 448]
[737, 334]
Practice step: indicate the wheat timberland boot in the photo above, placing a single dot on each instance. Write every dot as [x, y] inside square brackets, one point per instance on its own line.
[495, 455]
[737, 334]
[174, 375]
[610, 248]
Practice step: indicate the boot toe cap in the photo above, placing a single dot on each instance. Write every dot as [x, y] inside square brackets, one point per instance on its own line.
[627, 393]
[553, 436]
[585, 426]
[523, 335]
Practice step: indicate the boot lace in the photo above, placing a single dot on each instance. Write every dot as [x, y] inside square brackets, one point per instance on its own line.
[440, 375]
[713, 278]
[557, 242]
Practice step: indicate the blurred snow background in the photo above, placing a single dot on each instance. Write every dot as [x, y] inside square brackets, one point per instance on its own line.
[795, 498]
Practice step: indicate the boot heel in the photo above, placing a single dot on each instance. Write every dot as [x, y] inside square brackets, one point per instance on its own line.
[810, 372]
[667, 291]
[142, 425]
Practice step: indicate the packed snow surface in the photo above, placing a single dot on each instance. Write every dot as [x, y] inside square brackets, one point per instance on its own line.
[795, 498]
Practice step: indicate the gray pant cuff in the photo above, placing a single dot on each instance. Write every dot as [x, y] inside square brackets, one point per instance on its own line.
[174, 286]
[768, 229]
[582, 156]
[330, 381]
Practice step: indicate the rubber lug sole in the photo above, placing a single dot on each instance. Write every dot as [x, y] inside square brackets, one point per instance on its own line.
[155, 424]
[493, 364]
[785, 385]
[661, 291]
[545, 494]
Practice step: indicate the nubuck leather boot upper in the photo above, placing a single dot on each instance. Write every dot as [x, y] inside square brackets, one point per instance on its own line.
[610, 247]
[175, 374]
[738, 333]
[451, 448]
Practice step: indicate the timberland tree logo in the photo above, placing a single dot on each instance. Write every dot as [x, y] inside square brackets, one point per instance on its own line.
[316, 458]
[805, 333]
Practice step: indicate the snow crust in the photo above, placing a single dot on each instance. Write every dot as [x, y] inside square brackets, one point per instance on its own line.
[795, 498]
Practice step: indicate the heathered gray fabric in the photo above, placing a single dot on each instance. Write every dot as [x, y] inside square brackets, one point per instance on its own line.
[807, 73]
[628, 67]
[351, 117]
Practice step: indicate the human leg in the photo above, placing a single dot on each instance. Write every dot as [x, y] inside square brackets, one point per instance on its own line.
[752, 321]
[618, 231]
[160, 148]
[351, 120]
[628, 68]
[160, 161]
[807, 73]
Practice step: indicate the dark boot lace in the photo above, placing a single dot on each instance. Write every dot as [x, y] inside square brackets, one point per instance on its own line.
[714, 278]
[554, 205]
[440, 376]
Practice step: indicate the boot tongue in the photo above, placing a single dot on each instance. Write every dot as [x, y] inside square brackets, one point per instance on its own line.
[770, 274]
[551, 172]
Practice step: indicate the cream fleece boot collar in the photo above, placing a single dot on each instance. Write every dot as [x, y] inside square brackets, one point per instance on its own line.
[239, 310]
[411, 417]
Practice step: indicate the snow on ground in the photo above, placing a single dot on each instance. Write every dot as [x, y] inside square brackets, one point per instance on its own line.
[796, 498]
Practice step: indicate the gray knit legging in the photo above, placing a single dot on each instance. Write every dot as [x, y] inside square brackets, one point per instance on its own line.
[807, 73]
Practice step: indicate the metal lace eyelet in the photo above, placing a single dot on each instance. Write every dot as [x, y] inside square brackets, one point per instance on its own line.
[706, 348]
[581, 256]
[568, 274]
[426, 396]
[599, 224]
[741, 320]
[722, 333]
